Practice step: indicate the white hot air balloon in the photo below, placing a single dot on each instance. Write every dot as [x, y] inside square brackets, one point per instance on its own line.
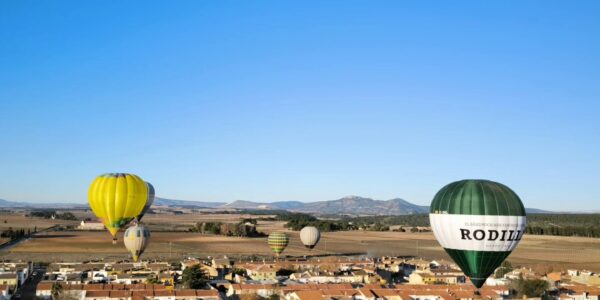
[136, 239]
[310, 236]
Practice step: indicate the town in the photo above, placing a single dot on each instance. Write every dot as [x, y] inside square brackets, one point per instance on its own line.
[314, 278]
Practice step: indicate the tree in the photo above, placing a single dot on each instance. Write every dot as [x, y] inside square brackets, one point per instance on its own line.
[56, 290]
[239, 271]
[193, 277]
[529, 287]
[504, 268]
[284, 272]
[273, 297]
[152, 280]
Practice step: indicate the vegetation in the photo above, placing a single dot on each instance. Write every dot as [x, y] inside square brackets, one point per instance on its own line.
[56, 290]
[14, 234]
[284, 272]
[541, 224]
[47, 214]
[529, 288]
[297, 221]
[239, 271]
[503, 269]
[408, 220]
[193, 277]
[243, 229]
[564, 224]
[152, 280]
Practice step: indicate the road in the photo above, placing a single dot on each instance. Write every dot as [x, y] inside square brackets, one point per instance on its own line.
[27, 290]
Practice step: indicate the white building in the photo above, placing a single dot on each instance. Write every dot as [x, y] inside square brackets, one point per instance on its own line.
[90, 225]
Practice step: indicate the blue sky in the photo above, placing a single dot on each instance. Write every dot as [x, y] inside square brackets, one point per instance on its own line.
[281, 100]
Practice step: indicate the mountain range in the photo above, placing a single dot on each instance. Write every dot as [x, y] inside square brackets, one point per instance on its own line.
[350, 205]
[14, 204]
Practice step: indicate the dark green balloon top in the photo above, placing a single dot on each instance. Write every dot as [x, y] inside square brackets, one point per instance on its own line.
[477, 197]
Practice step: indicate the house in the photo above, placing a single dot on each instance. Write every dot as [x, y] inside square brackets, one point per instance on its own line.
[125, 292]
[306, 295]
[261, 272]
[10, 279]
[234, 291]
[437, 276]
[90, 225]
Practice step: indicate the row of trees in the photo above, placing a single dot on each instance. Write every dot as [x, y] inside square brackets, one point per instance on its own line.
[47, 214]
[242, 229]
[13, 234]
[297, 221]
[550, 229]
[542, 224]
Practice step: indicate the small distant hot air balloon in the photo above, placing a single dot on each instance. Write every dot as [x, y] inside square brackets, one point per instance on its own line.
[149, 201]
[478, 223]
[310, 236]
[117, 198]
[136, 239]
[278, 241]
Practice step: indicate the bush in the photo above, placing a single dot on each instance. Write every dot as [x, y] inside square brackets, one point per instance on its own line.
[193, 277]
[529, 287]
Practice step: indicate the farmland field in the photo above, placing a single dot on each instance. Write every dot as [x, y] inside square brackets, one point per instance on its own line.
[540, 252]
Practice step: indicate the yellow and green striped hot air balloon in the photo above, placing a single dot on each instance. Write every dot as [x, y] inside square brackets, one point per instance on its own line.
[277, 242]
[478, 223]
[116, 199]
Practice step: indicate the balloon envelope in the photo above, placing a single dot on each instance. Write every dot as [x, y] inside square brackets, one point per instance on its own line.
[136, 240]
[117, 198]
[149, 201]
[278, 241]
[478, 223]
[310, 236]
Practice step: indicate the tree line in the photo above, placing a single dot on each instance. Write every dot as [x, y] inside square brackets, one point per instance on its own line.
[242, 229]
[15, 234]
[47, 214]
[587, 225]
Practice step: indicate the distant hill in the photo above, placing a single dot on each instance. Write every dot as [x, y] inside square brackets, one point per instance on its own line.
[173, 202]
[355, 205]
[352, 205]
[537, 211]
[6, 203]
[14, 204]
[281, 205]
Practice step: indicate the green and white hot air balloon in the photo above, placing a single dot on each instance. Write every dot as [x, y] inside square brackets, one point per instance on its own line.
[479, 223]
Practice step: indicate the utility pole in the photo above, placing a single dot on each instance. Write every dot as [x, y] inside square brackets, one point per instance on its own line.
[417, 248]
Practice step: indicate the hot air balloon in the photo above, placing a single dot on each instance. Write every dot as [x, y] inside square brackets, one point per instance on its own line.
[149, 201]
[278, 241]
[117, 198]
[136, 239]
[310, 236]
[478, 223]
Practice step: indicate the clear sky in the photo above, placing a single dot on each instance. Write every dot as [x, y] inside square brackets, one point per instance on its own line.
[301, 100]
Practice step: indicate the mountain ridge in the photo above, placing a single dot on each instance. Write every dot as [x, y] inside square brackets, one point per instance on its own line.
[348, 205]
